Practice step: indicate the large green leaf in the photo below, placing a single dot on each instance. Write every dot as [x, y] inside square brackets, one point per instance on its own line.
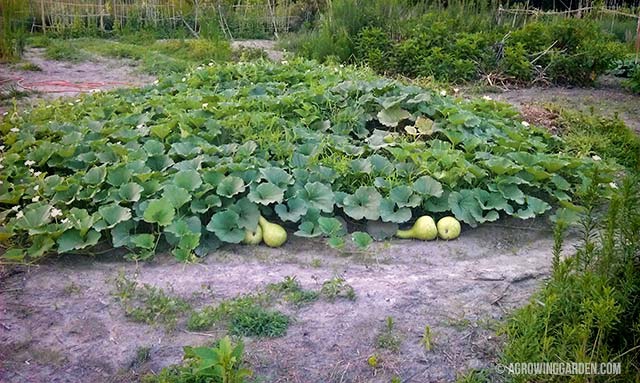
[318, 196]
[159, 211]
[389, 212]
[187, 179]
[35, 215]
[266, 193]
[277, 176]
[331, 226]
[176, 195]
[248, 214]
[113, 214]
[95, 175]
[230, 186]
[364, 203]
[294, 209]
[130, 192]
[225, 225]
[403, 196]
[74, 240]
[535, 206]
[428, 186]
[392, 116]
[511, 192]
[185, 233]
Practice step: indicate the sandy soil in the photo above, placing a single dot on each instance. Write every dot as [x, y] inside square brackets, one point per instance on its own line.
[60, 321]
[52, 81]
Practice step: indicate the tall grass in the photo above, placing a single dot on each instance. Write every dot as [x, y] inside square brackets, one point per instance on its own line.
[12, 37]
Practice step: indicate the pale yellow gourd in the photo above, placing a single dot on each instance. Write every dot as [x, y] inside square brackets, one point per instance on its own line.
[273, 234]
[253, 237]
[424, 229]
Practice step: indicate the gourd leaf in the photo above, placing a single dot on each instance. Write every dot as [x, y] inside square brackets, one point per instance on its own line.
[364, 203]
[159, 211]
[187, 179]
[389, 213]
[266, 193]
[225, 225]
[113, 214]
[361, 240]
[230, 186]
[318, 196]
[392, 116]
[428, 186]
[294, 209]
[176, 195]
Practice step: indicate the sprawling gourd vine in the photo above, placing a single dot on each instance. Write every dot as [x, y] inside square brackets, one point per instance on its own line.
[194, 161]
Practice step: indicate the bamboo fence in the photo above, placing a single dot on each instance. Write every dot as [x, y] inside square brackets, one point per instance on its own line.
[106, 14]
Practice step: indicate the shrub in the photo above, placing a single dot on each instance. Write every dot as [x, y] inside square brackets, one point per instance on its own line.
[453, 47]
[571, 51]
[634, 81]
[374, 47]
[589, 311]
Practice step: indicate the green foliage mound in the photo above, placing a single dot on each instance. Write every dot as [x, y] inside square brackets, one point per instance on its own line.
[193, 161]
[462, 46]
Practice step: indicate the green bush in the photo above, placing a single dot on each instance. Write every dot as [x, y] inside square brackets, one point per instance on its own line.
[450, 46]
[589, 311]
[571, 51]
[374, 47]
[634, 81]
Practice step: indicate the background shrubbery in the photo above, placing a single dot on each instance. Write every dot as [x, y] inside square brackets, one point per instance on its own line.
[460, 43]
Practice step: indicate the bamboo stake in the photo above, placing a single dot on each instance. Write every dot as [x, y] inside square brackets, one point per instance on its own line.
[638, 40]
[44, 29]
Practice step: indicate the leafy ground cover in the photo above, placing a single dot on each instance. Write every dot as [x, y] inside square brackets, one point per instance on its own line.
[193, 161]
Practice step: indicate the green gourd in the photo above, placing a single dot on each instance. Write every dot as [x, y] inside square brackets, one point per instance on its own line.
[253, 237]
[424, 229]
[273, 234]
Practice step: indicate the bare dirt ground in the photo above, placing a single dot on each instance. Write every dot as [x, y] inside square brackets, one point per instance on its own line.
[606, 98]
[67, 79]
[60, 322]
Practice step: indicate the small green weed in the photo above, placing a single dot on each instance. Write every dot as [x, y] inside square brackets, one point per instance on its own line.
[292, 292]
[248, 315]
[143, 354]
[473, 377]
[427, 338]
[72, 289]
[30, 67]
[221, 363]
[258, 321]
[388, 338]
[148, 304]
[10, 93]
[337, 288]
